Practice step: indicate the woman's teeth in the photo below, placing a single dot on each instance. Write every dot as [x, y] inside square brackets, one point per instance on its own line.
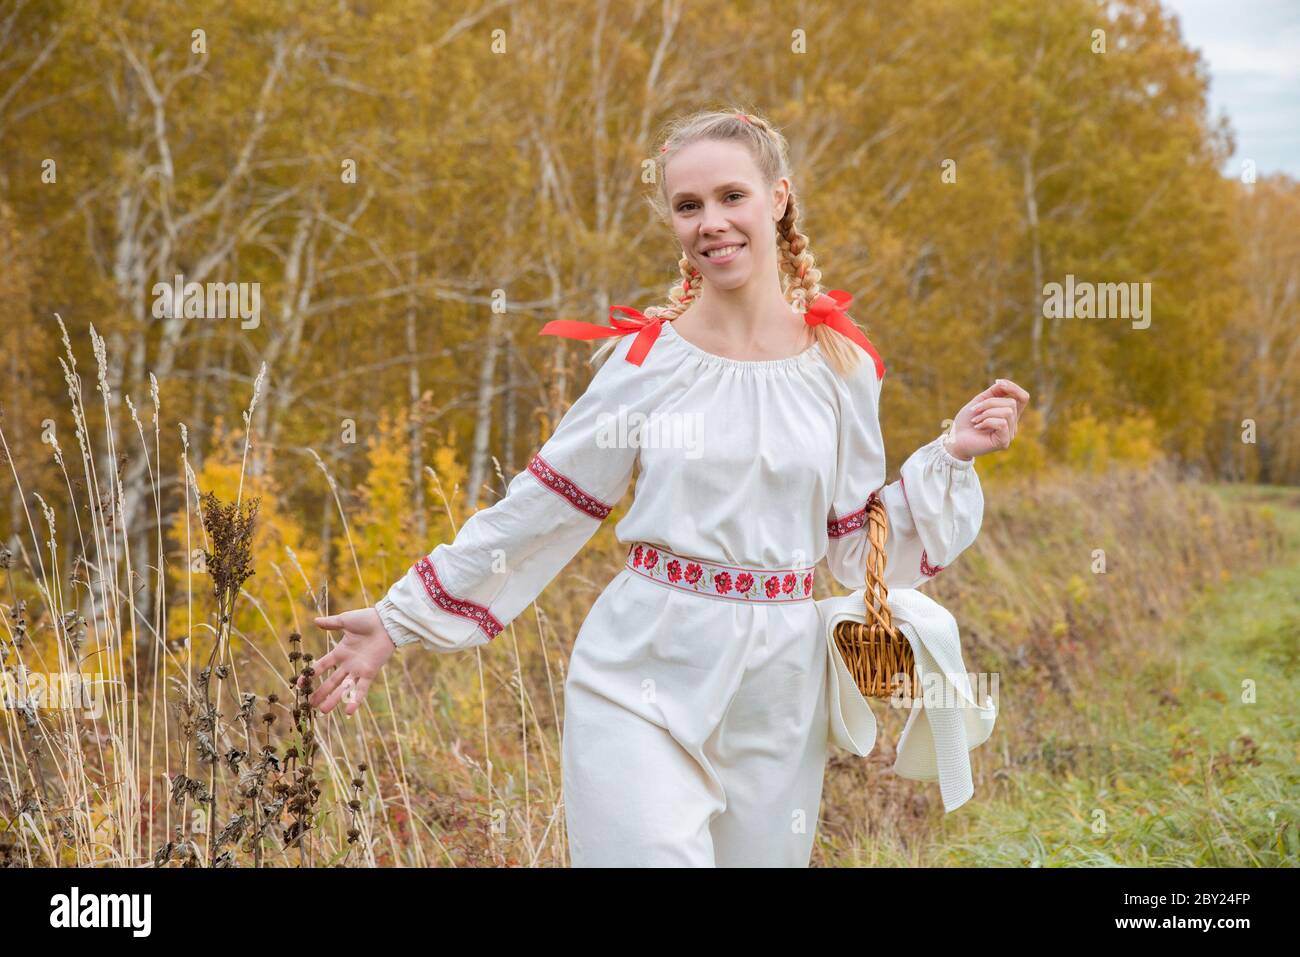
[722, 253]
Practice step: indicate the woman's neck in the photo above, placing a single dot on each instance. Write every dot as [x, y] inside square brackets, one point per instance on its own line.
[745, 325]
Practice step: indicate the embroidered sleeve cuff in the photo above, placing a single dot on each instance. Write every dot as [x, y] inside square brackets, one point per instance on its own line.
[398, 633]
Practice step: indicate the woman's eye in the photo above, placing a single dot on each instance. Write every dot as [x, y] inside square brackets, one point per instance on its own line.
[683, 207]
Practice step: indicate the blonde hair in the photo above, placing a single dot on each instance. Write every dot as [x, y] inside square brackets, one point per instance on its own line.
[800, 277]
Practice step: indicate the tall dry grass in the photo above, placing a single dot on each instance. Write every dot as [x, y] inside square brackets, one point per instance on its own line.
[205, 753]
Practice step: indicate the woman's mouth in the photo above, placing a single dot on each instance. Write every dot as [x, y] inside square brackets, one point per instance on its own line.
[724, 254]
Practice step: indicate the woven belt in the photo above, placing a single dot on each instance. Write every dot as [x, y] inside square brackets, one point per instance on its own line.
[761, 585]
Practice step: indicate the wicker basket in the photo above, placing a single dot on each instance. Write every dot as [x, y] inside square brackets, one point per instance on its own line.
[874, 651]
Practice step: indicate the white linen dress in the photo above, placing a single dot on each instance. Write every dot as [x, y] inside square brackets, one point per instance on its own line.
[695, 708]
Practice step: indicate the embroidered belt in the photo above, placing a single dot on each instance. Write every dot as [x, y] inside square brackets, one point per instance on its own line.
[761, 585]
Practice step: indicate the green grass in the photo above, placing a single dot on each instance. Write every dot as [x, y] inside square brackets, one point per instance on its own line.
[1191, 757]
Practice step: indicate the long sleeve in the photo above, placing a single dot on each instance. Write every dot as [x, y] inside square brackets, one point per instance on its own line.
[465, 592]
[934, 509]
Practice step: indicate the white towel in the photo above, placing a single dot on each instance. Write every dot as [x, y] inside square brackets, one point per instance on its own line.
[943, 725]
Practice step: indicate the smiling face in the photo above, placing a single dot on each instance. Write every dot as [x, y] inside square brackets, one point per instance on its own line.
[717, 198]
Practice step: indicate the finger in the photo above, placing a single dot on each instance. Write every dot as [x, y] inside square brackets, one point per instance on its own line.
[329, 622]
[358, 695]
[327, 686]
[345, 686]
[1001, 402]
[1016, 392]
[1012, 389]
[320, 665]
[992, 401]
[1000, 412]
[331, 659]
[1006, 394]
[327, 703]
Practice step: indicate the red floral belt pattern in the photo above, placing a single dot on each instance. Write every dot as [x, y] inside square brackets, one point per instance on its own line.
[763, 585]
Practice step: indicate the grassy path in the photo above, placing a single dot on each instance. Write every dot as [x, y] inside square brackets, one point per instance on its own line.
[1196, 751]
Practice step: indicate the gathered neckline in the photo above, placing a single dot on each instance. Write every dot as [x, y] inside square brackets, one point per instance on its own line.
[716, 359]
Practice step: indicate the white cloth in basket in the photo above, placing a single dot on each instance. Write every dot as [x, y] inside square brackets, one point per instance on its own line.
[937, 738]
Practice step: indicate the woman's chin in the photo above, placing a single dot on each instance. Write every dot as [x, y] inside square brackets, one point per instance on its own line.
[726, 278]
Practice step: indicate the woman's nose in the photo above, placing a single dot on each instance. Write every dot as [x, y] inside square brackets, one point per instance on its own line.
[714, 222]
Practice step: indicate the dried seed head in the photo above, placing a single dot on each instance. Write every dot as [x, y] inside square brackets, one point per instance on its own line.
[230, 528]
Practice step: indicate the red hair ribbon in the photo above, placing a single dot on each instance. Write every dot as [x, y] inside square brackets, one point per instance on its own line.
[745, 117]
[829, 308]
[647, 330]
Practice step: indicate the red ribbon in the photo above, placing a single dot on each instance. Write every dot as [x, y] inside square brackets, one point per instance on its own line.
[646, 329]
[829, 308]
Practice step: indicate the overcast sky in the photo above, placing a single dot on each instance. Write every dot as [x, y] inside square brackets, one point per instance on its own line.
[1252, 48]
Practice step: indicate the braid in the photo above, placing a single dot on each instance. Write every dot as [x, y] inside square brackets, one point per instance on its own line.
[802, 281]
[681, 294]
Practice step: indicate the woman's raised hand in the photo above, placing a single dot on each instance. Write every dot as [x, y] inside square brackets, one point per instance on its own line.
[987, 423]
[354, 661]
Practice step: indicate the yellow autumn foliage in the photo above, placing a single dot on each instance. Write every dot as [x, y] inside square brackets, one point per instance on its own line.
[1093, 443]
[383, 530]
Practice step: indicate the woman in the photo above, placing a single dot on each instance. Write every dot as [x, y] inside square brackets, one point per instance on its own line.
[696, 725]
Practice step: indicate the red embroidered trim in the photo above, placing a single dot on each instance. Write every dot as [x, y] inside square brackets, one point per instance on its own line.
[927, 569]
[837, 528]
[720, 581]
[567, 489]
[453, 605]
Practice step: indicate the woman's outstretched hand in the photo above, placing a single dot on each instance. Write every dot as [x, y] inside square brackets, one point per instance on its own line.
[987, 423]
[355, 660]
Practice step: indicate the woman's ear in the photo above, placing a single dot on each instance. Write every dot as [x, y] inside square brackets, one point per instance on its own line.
[780, 196]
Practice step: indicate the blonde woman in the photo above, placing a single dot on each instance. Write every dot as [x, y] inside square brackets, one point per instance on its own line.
[695, 709]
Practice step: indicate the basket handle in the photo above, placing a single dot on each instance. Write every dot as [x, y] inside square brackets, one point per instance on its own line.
[877, 595]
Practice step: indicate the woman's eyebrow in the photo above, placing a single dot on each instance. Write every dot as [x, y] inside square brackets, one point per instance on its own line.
[723, 188]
